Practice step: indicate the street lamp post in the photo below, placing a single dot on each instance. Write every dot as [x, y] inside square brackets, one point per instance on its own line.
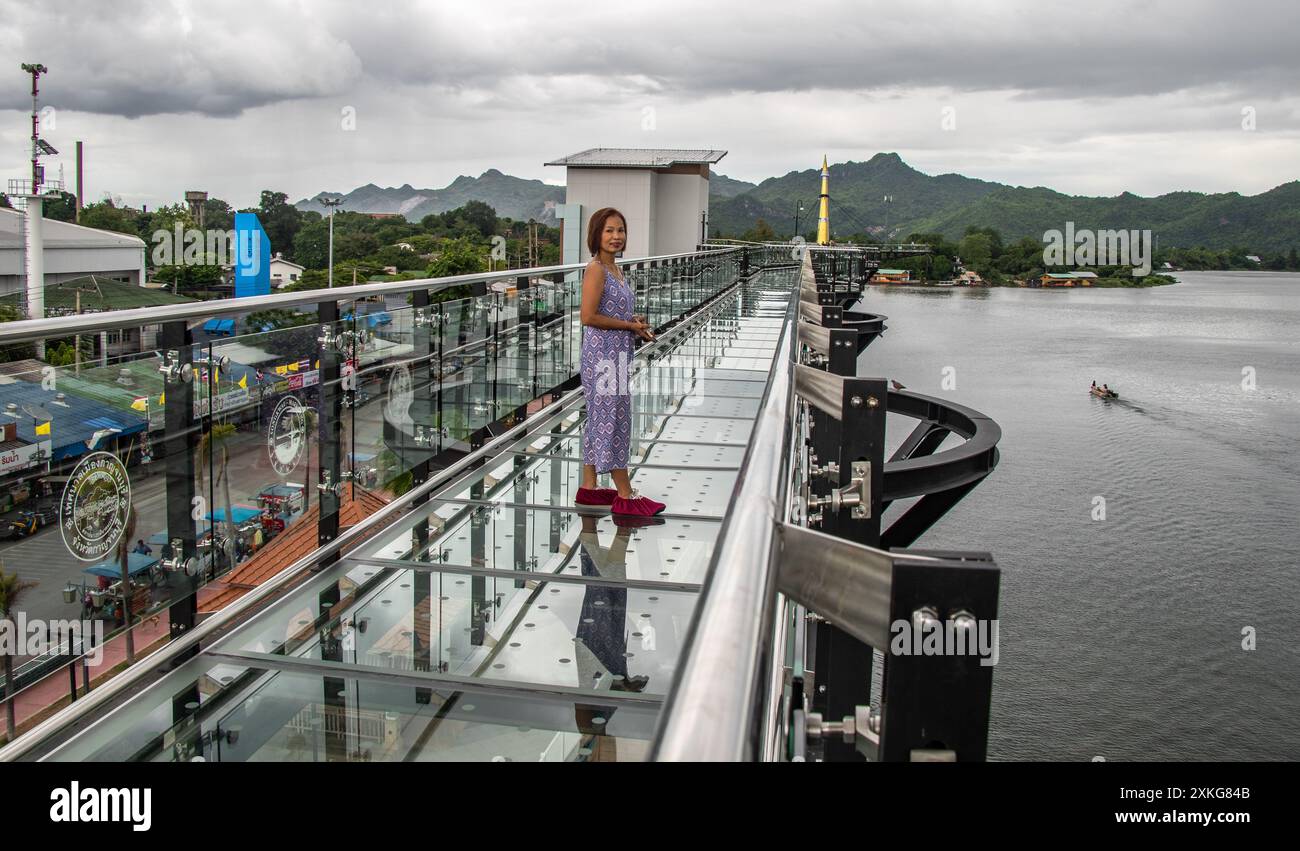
[331, 204]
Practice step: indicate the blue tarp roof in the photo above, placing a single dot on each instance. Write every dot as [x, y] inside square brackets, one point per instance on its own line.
[239, 513]
[374, 320]
[219, 326]
[135, 563]
[74, 419]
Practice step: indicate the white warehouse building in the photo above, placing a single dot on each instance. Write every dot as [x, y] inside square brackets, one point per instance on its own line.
[663, 192]
[71, 251]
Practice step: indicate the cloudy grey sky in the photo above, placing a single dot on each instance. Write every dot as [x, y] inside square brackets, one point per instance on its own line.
[233, 97]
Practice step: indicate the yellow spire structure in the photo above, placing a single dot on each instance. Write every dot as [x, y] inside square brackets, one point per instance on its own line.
[824, 212]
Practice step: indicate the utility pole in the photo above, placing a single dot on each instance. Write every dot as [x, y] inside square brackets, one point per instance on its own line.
[38, 175]
[331, 204]
[33, 239]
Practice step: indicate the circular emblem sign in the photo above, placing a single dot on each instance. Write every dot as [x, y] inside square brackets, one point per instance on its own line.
[286, 435]
[400, 396]
[95, 506]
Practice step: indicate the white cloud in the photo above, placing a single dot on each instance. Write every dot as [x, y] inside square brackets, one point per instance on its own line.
[241, 96]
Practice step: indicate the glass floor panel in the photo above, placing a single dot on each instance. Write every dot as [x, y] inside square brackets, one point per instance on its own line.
[580, 636]
[706, 405]
[744, 363]
[704, 430]
[669, 382]
[542, 542]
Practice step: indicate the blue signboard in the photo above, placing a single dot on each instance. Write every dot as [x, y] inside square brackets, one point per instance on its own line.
[252, 257]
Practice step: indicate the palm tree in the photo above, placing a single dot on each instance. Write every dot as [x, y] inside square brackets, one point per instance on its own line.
[12, 590]
[216, 438]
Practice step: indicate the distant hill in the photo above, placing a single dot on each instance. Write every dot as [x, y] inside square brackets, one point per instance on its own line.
[1268, 222]
[721, 186]
[512, 197]
[888, 199]
[950, 203]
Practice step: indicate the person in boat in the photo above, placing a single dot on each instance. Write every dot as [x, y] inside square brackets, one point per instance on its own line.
[1094, 384]
[1105, 389]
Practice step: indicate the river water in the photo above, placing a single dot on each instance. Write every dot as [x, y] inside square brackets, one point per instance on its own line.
[1122, 638]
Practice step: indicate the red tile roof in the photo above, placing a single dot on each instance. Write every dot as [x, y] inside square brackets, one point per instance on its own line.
[289, 546]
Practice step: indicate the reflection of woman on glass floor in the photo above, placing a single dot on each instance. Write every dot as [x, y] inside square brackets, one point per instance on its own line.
[600, 648]
[609, 332]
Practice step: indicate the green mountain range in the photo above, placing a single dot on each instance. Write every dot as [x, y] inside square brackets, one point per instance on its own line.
[513, 197]
[886, 199]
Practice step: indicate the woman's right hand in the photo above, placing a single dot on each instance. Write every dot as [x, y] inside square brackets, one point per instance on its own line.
[641, 329]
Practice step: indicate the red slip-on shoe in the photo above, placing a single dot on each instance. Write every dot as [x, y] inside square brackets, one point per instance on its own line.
[636, 506]
[595, 496]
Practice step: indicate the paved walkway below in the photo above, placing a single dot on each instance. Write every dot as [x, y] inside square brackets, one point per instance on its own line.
[32, 702]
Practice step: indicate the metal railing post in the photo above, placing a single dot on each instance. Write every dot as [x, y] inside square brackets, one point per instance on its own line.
[180, 449]
[329, 342]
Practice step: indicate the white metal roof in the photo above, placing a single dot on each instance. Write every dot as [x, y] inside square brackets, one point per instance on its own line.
[57, 234]
[639, 157]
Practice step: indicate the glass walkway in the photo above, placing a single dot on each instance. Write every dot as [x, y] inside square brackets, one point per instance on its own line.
[493, 620]
[367, 546]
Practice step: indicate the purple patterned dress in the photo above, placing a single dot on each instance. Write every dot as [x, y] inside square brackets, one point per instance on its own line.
[607, 352]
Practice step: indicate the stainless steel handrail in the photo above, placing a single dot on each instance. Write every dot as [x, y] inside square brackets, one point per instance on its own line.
[26, 330]
[713, 709]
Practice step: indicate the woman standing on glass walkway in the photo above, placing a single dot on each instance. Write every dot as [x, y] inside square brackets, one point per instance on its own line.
[609, 329]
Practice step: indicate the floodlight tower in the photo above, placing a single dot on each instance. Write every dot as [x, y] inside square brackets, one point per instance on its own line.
[30, 194]
[331, 204]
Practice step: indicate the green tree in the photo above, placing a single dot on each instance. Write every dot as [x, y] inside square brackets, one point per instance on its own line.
[107, 216]
[461, 256]
[479, 216]
[280, 220]
[976, 251]
[762, 232]
[62, 207]
[311, 244]
[218, 215]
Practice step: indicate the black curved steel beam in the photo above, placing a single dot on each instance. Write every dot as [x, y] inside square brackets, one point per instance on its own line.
[923, 514]
[965, 464]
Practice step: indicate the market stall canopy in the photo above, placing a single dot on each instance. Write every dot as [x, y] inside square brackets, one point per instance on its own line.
[136, 563]
[238, 513]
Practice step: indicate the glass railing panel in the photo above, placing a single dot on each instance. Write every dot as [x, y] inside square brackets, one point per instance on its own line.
[262, 440]
[296, 717]
[85, 497]
[224, 711]
[390, 404]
